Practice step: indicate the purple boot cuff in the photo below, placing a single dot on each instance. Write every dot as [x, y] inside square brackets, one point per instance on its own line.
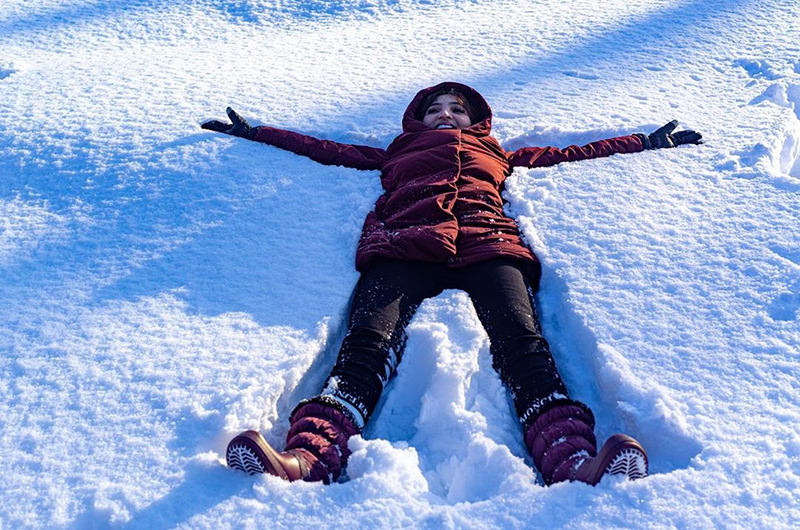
[321, 432]
[559, 437]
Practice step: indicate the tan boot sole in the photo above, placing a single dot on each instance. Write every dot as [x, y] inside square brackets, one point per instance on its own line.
[620, 455]
[251, 453]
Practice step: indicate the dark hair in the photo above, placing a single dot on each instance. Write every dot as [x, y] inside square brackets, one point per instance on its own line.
[430, 98]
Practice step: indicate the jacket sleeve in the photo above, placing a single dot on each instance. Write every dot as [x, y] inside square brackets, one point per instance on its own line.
[323, 151]
[550, 156]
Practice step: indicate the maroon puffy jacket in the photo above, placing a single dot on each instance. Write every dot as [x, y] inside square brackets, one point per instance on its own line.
[442, 201]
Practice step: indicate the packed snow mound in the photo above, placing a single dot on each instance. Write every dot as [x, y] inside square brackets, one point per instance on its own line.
[164, 287]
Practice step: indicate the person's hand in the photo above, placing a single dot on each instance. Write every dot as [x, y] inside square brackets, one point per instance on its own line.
[238, 126]
[664, 137]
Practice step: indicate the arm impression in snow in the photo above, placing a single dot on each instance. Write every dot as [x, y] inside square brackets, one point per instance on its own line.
[323, 151]
[549, 156]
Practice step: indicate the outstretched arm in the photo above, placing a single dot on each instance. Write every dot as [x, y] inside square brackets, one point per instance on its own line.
[548, 156]
[323, 151]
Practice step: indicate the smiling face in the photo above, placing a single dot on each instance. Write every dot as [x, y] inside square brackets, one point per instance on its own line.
[446, 112]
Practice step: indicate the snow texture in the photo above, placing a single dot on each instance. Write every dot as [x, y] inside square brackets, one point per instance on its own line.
[164, 287]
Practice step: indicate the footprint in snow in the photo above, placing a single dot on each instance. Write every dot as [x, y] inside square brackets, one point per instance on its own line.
[791, 254]
[762, 69]
[581, 75]
[784, 154]
[784, 307]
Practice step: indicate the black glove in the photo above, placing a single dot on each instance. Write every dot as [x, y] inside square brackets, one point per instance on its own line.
[238, 126]
[664, 137]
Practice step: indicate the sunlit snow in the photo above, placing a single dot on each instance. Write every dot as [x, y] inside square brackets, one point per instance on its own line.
[163, 287]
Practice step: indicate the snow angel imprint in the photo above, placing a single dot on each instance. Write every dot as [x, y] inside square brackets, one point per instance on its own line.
[440, 225]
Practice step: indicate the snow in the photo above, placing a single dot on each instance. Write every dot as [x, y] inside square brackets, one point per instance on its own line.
[164, 287]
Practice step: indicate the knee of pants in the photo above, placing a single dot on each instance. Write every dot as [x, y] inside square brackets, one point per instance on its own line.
[520, 347]
[367, 341]
[367, 349]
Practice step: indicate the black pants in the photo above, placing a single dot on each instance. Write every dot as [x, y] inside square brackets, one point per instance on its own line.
[386, 298]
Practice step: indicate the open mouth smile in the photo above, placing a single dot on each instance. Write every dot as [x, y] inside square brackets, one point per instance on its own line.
[445, 126]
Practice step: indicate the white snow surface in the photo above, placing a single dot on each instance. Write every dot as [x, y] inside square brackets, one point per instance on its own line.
[163, 287]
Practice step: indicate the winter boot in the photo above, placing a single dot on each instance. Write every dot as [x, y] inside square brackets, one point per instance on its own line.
[562, 443]
[251, 453]
[316, 447]
[620, 455]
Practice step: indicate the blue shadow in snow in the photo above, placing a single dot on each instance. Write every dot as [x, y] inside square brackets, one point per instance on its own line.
[203, 487]
[52, 19]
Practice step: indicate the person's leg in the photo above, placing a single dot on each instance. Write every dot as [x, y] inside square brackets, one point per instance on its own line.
[559, 432]
[520, 354]
[386, 298]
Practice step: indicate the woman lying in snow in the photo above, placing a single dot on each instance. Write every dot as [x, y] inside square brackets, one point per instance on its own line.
[440, 225]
